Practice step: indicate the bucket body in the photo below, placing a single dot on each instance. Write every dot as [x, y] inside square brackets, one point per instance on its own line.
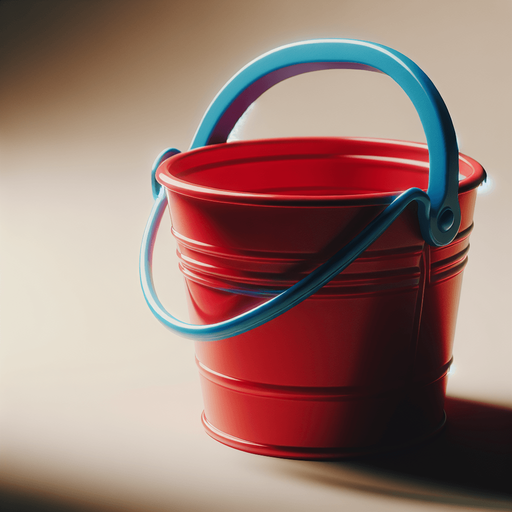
[362, 364]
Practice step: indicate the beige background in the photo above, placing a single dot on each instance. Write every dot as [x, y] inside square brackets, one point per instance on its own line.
[99, 405]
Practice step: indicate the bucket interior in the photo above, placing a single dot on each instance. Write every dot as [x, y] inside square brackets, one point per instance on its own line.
[307, 169]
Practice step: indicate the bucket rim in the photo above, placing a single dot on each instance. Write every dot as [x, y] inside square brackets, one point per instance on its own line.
[172, 183]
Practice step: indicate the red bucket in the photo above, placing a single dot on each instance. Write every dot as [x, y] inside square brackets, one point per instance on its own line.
[326, 378]
[362, 364]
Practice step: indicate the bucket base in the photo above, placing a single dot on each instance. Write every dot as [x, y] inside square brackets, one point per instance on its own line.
[302, 453]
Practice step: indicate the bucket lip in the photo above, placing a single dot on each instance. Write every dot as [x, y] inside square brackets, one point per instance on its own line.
[177, 185]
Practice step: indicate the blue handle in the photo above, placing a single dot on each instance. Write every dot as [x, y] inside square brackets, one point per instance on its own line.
[438, 209]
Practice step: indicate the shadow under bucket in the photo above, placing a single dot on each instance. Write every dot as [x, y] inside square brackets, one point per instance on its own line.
[359, 362]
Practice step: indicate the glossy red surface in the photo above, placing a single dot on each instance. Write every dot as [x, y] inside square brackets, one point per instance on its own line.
[363, 363]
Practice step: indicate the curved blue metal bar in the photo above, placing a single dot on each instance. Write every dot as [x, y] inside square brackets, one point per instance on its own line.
[164, 155]
[282, 302]
[438, 209]
[442, 225]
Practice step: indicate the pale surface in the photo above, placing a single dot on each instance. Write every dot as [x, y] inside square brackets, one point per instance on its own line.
[99, 404]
